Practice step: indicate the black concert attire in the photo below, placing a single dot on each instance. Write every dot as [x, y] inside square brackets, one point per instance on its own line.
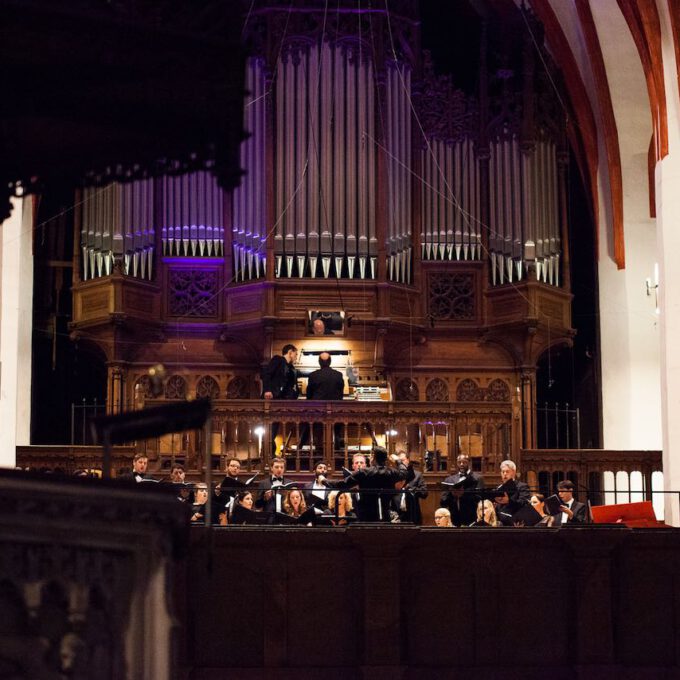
[133, 477]
[199, 509]
[519, 498]
[375, 507]
[580, 511]
[406, 503]
[463, 509]
[275, 503]
[325, 383]
[280, 378]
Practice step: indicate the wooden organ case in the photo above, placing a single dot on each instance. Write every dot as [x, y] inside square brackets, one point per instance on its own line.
[435, 219]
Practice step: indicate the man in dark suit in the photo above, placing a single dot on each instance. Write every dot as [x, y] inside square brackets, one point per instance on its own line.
[379, 479]
[573, 512]
[326, 382]
[138, 473]
[508, 503]
[279, 378]
[268, 500]
[407, 502]
[462, 502]
[279, 381]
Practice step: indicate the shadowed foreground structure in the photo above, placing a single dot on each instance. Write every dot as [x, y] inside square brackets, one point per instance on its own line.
[406, 602]
[87, 560]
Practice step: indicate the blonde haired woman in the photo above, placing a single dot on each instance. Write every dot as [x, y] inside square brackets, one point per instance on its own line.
[486, 515]
[343, 500]
[442, 518]
[294, 503]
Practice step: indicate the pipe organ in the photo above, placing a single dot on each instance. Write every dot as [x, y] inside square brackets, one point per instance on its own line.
[117, 228]
[249, 221]
[524, 211]
[399, 244]
[371, 186]
[325, 182]
[452, 229]
[192, 215]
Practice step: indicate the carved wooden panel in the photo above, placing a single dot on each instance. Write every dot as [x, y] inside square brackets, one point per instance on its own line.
[176, 387]
[193, 293]
[468, 390]
[143, 386]
[138, 301]
[237, 388]
[437, 390]
[207, 388]
[407, 390]
[506, 309]
[244, 303]
[302, 301]
[91, 304]
[451, 296]
[498, 390]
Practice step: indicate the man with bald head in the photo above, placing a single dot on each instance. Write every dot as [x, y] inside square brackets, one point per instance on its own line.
[326, 382]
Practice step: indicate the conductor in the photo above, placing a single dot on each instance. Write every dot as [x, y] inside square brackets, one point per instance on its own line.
[379, 480]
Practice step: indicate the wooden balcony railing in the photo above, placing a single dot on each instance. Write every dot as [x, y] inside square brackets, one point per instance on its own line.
[308, 431]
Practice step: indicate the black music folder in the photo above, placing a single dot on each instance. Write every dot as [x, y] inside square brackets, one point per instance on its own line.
[464, 483]
[307, 517]
[329, 519]
[526, 516]
[237, 484]
[241, 515]
[509, 487]
[553, 505]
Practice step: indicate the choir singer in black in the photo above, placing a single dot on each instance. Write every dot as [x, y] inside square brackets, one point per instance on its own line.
[460, 497]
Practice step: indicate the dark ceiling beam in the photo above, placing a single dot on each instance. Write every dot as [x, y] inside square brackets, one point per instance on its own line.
[643, 21]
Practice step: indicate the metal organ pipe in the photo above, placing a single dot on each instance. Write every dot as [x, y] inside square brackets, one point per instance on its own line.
[398, 140]
[450, 203]
[117, 226]
[524, 211]
[248, 228]
[325, 168]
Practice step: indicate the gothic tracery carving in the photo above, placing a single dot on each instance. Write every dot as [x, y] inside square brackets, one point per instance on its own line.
[452, 296]
[237, 388]
[407, 390]
[497, 391]
[193, 292]
[446, 113]
[207, 388]
[437, 390]
[176, 387]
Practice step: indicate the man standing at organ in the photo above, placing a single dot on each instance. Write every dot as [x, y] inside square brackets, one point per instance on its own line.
[279, 378]
[279, 381]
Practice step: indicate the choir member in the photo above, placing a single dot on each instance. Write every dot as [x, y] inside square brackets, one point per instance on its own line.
[442, 518]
